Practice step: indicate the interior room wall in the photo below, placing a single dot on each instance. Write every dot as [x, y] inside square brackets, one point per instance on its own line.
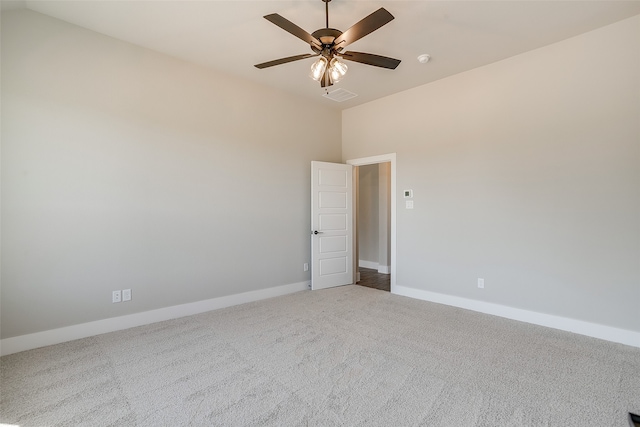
[126, 169]
[374, 216]
[525, 173]
[384, 218]
[368, 216]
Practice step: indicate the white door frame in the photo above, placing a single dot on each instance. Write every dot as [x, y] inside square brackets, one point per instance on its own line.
[384, 158]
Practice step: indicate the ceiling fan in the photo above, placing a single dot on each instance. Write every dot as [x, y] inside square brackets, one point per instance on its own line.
[328, 45]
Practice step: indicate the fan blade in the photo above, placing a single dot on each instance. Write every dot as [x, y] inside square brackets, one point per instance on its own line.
[285, 60]
[292, 28]
[366, 26]
[371, 59]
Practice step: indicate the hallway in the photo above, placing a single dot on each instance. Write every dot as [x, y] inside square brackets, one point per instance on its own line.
[372, 279]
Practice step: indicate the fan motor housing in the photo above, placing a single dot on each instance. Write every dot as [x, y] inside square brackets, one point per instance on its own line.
[326, 37]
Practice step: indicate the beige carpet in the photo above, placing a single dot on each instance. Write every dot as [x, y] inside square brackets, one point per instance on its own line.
[348, 356]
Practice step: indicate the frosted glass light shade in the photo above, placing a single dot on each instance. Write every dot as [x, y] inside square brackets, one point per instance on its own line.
[317, 68]
[337, 69]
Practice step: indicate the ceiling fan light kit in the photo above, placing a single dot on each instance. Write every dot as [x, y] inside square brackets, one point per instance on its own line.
[328, 45]
[337, 69]
[318, 68]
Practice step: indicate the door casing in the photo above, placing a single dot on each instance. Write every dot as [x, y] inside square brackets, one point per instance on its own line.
[391, 158]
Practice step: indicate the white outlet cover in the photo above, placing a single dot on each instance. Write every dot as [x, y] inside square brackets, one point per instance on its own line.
[126, 295]
[409, 204]
[116, 296]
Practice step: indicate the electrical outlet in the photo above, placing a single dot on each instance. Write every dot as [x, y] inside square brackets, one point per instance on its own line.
[305, 266]
[481, 283]
[126, 295]
[116, 296]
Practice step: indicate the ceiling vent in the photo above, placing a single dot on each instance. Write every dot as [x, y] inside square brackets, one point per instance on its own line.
[340, 95]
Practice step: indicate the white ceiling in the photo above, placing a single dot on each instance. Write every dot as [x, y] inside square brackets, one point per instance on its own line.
[232, 36]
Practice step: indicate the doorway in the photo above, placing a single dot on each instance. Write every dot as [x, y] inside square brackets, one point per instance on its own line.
[375, 248]
[373, 225]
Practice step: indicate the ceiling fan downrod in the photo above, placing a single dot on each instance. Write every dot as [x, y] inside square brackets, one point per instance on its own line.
[326, 11]
[326, 36]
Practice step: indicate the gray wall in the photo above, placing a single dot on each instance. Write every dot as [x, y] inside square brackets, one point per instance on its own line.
[374, 215]
[368, 213]
[525, 173]
[384, 217]
[123, 168]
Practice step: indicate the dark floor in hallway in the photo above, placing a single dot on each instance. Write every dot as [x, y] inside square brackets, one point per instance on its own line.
[372, 279]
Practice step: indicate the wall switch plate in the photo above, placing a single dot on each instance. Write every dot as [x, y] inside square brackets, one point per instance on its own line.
[126, 295]
[408, 194]
[481, 283]
[116, 296]
[305, 266]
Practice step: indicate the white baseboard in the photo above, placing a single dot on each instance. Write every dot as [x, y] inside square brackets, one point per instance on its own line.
[367, 264]
[383, 269]
[83, 330]
[594, 330]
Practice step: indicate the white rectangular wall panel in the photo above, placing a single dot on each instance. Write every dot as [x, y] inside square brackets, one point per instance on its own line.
[333, 266]
[333, 244]
[333, 178]
[333, 222]
[332, 200]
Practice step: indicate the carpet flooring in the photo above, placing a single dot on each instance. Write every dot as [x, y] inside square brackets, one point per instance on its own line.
[348, 356]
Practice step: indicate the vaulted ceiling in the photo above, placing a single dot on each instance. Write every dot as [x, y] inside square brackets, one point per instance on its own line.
[232, 36]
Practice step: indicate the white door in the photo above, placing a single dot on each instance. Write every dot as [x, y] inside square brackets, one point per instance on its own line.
[331, 225]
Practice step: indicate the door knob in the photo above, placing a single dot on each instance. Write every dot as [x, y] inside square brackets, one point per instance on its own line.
[317, 232]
